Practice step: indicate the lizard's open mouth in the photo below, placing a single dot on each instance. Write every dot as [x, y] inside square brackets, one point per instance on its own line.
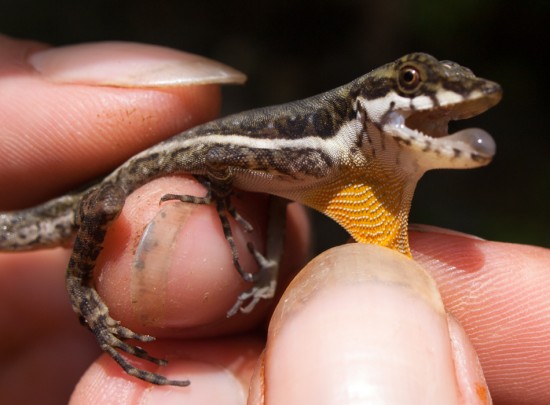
[427, 129]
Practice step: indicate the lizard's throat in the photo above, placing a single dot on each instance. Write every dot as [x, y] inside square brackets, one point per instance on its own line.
[372, 211]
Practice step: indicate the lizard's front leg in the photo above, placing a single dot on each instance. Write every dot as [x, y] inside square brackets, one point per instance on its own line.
[219, 191]
[265, 282]
[98, 209]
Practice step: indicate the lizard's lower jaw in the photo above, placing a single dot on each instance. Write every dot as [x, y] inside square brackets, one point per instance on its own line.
[433, 147]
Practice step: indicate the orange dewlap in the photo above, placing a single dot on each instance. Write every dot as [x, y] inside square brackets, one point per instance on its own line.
[374, 212]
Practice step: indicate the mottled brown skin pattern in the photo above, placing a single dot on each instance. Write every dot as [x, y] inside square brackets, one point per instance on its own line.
[284, 150]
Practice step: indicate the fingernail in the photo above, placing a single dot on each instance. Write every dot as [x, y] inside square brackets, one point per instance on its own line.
[152, 263]
[210, 384]
[441, 231]
[127, 64]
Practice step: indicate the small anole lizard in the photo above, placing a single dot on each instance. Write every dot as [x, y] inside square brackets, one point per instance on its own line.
[354, 153]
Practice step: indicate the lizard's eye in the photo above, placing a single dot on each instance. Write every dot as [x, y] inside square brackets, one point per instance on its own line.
[409, 79]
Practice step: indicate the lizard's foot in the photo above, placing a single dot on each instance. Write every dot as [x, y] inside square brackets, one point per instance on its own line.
[110, 336]
[265, 284]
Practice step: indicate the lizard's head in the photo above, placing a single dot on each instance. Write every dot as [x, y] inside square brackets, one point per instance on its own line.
[414, 98]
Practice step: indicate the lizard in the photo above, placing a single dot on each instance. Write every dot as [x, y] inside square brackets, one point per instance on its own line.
[354, 153]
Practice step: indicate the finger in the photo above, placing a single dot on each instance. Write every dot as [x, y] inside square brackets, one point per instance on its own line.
[219, 371]
[363, 323]
[41, 338]
[184, 281]
[94, 103]
[182, 288]
[499, 293]
[53, 123]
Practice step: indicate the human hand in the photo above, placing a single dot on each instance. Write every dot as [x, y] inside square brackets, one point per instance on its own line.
[74, 105]
[364, 324]
[189, 296]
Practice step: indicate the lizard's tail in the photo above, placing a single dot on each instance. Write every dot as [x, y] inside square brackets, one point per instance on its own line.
[47, 225]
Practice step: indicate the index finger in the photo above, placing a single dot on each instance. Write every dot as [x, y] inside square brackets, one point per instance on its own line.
[55, 119]
[499, 293]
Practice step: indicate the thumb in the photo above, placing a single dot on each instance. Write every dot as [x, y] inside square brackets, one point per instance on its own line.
[365, 324]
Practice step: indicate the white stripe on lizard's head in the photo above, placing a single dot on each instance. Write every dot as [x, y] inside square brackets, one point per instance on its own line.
[414, 98]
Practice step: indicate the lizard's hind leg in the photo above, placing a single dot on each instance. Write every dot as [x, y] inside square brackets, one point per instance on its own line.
[98, 209]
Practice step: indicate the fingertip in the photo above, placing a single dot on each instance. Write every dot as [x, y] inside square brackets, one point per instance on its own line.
[167, 269]
[498, 293]
[356, 324]
[181, 276]
[51, 127]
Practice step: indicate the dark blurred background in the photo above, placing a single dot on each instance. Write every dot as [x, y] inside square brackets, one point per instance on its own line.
[292, 49]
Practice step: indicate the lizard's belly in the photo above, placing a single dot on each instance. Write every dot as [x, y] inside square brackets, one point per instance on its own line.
[275, 184]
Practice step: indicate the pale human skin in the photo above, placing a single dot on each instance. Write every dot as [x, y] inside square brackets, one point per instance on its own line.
[498, 292]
